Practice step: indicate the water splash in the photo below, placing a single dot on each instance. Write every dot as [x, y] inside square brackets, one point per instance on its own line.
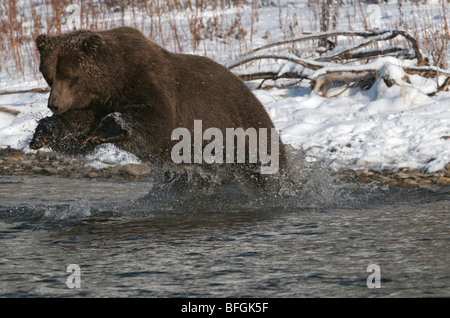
[301, 184]
[78, 210]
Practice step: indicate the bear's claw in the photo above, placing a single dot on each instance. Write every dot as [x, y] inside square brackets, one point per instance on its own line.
[97, 140]
[38, 143]
[92, 139]
[110, 129]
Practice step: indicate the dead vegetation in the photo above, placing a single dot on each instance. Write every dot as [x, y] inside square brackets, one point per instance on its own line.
[335, 68]
[209, 27]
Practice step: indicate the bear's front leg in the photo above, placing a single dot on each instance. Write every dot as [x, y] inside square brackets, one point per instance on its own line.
[111, 128]
[45, 132]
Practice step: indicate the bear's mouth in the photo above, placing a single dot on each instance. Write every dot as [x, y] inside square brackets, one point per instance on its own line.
[36, 144]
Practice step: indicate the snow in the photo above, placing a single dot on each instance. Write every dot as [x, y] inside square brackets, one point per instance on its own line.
[106, 155]
[381, 128]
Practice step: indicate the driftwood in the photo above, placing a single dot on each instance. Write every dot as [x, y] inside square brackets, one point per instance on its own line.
[335, 68]
[320, 82]
[9, 111]
[31, 90]
[311, 64]
[270, 76]
[374, 36]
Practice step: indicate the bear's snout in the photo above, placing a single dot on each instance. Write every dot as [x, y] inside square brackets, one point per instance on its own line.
[54, 106]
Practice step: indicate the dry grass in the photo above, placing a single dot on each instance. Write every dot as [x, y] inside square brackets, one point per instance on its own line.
[175, 24]
[221, 29]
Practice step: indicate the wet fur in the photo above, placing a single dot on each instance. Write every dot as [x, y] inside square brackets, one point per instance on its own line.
[93, 74]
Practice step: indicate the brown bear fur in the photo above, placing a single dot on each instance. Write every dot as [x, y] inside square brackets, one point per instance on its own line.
[93, 74]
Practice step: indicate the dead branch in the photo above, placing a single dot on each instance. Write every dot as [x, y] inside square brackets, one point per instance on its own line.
[313, 65]
[426, 71]
[319, 83]
[319, 36]
[32, 90]
[445, 85]
[270, 76]
[9, 111]
[384, 35]
[394, 52]
[326, 71]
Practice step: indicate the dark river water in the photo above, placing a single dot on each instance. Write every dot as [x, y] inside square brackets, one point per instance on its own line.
[126, 244]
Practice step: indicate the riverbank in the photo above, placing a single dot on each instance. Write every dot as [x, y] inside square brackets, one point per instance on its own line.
[15, 162]
[403, 178]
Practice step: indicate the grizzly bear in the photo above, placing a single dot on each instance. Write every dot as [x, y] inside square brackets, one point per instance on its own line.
[119, 87]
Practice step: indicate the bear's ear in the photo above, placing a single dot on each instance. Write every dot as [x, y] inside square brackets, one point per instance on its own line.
[44, 42]
[92, 44]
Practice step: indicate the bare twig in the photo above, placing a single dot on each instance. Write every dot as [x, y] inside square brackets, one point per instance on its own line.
[269, 76]
[313, 65]
[426, 71]
[445, 85]
[376, 36]
[9, 111]
[318, 83]
[324, 70]
[32, 90]
[319, 36]
[394, 51]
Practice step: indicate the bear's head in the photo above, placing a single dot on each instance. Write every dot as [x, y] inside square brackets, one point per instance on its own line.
[75, 66]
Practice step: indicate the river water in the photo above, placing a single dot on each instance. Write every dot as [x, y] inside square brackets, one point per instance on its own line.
[126, 244]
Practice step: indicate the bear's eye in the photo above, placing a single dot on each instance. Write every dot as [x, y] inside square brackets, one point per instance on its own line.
[71, 80]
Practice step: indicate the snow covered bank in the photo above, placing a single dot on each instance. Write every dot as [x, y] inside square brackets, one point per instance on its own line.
[382, 128]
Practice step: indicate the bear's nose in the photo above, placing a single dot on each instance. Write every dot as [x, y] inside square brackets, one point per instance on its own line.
[53, 106]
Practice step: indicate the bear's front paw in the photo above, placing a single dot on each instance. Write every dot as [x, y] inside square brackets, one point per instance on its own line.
[110, 129]
[44, 132]
[97, 140]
